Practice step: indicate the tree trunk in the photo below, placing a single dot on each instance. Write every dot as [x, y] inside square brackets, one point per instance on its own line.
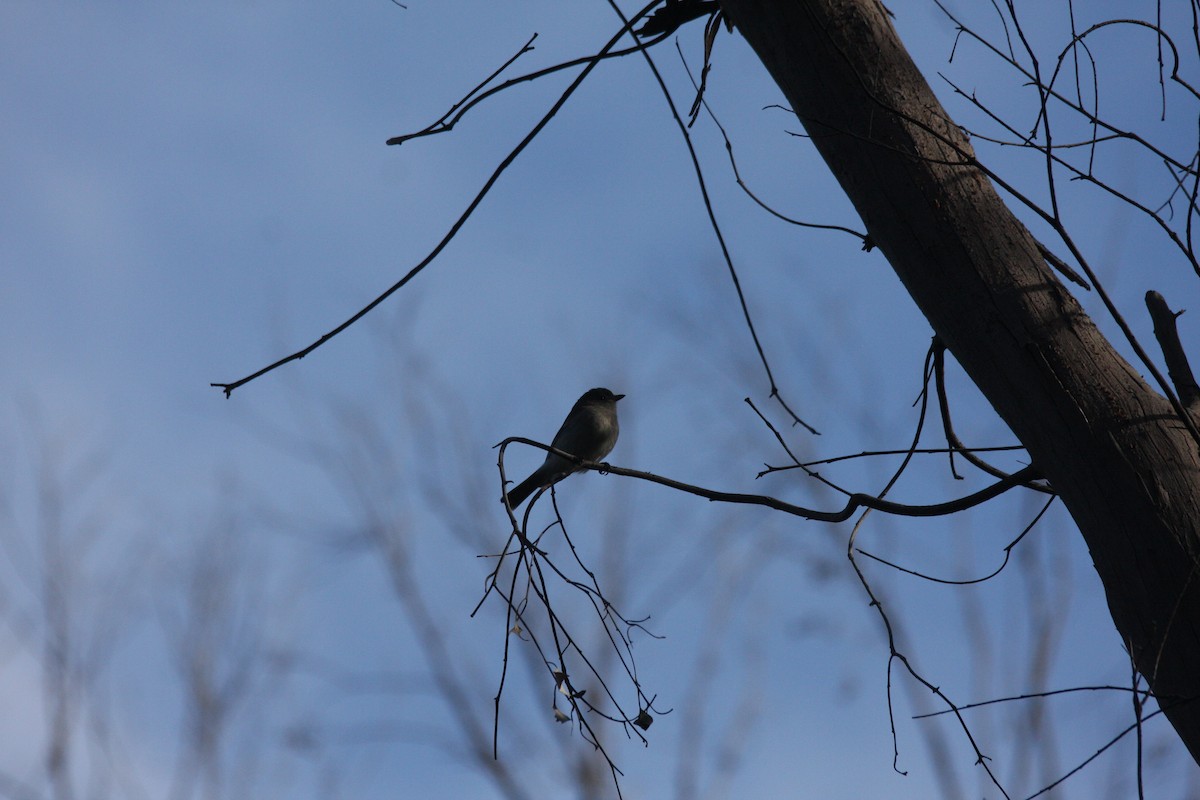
[1112, 447]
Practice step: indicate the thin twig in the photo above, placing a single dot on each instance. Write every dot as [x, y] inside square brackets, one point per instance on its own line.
[716, 227]
[590, 64]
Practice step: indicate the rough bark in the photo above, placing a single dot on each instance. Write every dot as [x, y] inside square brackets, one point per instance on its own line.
[1111, 446]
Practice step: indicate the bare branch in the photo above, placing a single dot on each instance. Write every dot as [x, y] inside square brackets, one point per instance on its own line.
[862, 237]
[854, 502]
[1167, 334]
[589, 65]
[712, 219]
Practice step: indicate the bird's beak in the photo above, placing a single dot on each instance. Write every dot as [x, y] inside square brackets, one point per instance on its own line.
[617, 397]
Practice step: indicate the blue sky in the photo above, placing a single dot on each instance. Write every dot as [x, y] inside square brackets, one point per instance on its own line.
[192, 191]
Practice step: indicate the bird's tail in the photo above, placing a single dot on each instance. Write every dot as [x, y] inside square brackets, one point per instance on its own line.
[523, 490]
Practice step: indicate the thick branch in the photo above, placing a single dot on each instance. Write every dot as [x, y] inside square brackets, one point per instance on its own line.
[1116, 451]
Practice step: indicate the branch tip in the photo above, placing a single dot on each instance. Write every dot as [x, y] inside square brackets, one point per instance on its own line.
[1166, 332]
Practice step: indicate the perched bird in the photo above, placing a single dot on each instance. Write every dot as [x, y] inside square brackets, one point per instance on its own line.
[589, 432]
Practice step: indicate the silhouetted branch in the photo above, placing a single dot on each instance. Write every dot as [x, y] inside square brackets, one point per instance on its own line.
[1135, 726]
[1074, 106]
[1167, 334]
[956, 445]
[445, 123]
[863, 238]
[967, 581]
[854, 502]
[589, 65]
[477, 95]
[712, 219]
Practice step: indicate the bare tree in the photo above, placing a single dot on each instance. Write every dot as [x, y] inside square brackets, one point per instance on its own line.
[1122, 454]
[68, 600]
[219, 641]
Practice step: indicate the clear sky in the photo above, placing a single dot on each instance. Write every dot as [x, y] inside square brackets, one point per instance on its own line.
[190, 191]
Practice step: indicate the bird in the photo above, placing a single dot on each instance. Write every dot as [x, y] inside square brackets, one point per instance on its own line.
[589, 432]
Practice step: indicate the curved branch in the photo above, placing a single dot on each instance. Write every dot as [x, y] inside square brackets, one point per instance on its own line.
[1022, 477]
[1189, 169]
[228, 388]
[737, 175]
[712, 220]
[457, 111]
